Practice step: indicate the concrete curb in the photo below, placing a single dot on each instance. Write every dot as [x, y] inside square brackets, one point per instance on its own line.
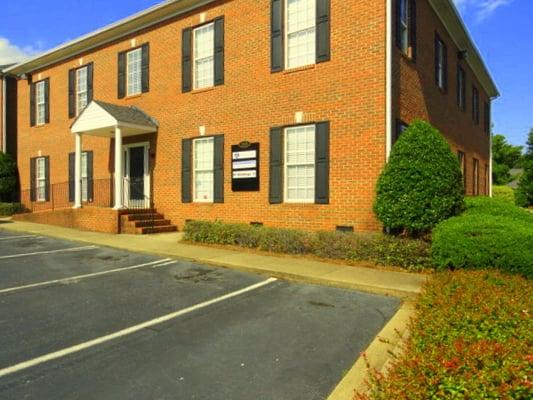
[378, 355]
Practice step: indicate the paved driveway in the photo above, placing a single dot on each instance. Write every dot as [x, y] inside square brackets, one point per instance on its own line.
[87, 322]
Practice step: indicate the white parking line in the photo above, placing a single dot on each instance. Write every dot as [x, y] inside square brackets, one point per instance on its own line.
[71, 249]
[128, 331]
[153, 264]
[18, 237]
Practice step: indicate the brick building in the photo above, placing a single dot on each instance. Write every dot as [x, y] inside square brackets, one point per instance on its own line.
[8, 112]
[281, 112]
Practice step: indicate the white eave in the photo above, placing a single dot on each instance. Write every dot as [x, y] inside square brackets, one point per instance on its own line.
[146, 18]
[449, 15]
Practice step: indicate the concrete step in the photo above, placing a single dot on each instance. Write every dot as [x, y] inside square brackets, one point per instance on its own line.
[157, 229]
[149, 222]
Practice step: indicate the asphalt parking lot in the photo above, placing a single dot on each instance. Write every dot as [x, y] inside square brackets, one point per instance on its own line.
[88, 322]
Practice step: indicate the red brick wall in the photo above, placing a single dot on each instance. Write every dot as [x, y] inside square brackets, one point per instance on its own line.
[88, 219]
[417, 96]
[349, 91]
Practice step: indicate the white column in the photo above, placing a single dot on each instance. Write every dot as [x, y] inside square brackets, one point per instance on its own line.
[77, 172]
[119, 175]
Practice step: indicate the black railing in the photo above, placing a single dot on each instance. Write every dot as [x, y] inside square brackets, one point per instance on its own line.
[134, 198]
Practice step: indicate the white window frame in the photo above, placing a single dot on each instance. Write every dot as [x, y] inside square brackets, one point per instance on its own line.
[84, 177]
[441, 62]
[404, 26]
[288, 33]
[137, 75]
[287, 165]
[82, 89]
[196, 59]
[210, 140]
[40, 103]
[40, 179]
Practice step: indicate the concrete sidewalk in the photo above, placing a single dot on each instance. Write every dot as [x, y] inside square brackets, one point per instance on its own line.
[373, 280]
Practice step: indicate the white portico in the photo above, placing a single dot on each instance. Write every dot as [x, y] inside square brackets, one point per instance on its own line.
[111, 121]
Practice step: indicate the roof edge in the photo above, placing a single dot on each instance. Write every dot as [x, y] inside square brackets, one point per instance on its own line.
[116, 30]
[450, 17]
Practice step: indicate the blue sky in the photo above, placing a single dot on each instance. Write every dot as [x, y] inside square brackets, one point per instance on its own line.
[502, 30]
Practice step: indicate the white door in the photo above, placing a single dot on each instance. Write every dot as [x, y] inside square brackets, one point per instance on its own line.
[136, 176]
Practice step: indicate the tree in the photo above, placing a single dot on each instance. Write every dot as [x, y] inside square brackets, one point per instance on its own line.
[524, 195]
[505, 156]
[421, 184]
[8, 177]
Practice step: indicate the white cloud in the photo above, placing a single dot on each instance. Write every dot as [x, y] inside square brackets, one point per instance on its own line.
[482, 9]
[10, 53]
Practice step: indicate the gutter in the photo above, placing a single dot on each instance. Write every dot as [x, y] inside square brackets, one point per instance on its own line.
[388, 79]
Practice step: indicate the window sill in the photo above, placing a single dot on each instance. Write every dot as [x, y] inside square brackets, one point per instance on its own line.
[407, 57]
[203, 90]
[299, 69]
[133, 96]
[39, 125]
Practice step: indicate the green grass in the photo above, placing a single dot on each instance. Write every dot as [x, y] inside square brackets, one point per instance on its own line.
[472, 338]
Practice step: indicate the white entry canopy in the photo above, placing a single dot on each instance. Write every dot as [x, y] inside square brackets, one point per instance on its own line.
[101, 119]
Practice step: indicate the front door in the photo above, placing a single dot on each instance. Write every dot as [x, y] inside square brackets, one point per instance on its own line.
[136, 176]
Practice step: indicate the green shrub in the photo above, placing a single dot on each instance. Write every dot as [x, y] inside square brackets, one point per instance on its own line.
[8, 176]
[490, 234]
[470, 339]
[525, 186]
[7, 209]
[422, 184]
[376, 248]
[504, 193]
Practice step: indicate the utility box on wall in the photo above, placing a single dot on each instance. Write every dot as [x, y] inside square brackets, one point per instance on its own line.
[245, 167]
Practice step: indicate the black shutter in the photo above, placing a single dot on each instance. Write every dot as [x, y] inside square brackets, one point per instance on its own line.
[322, 31]
[145, 77]
[186, 62]
[33, 182]
[436, 59]
[121, 75]
[90, 82]
[276, 166]
[276, 36]
[322, 163]
[398, 24]
[445, 61]
[90, 182]
[71, 176]
[412, 28]
[186, 175]
[32, 104]
[218, 194]
[47, 178]
[46, 101]
[219, 51]
[72, 93]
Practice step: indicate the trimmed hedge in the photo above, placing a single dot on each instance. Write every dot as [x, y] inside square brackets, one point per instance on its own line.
[7, 209]
[421, 184]
[490, 234]
[376, 248]
[471, 339]
[504, 193]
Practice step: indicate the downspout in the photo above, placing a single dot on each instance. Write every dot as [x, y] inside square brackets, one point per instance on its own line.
[4, 119]
[388, 79]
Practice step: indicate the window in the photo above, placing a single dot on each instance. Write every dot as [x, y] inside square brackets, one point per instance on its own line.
[300, 33]
[475, 105]
[462, 162]
[203, 162]
[40, 179]
[84, 177]
[441, 64]
[476, 178]
[461, 88]
[81, 89]
[487, 119]
[487, 182]
[204, 45]
[400, 128]
[40, 102]
[300, 164]
[406, 21]
[134, 72]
